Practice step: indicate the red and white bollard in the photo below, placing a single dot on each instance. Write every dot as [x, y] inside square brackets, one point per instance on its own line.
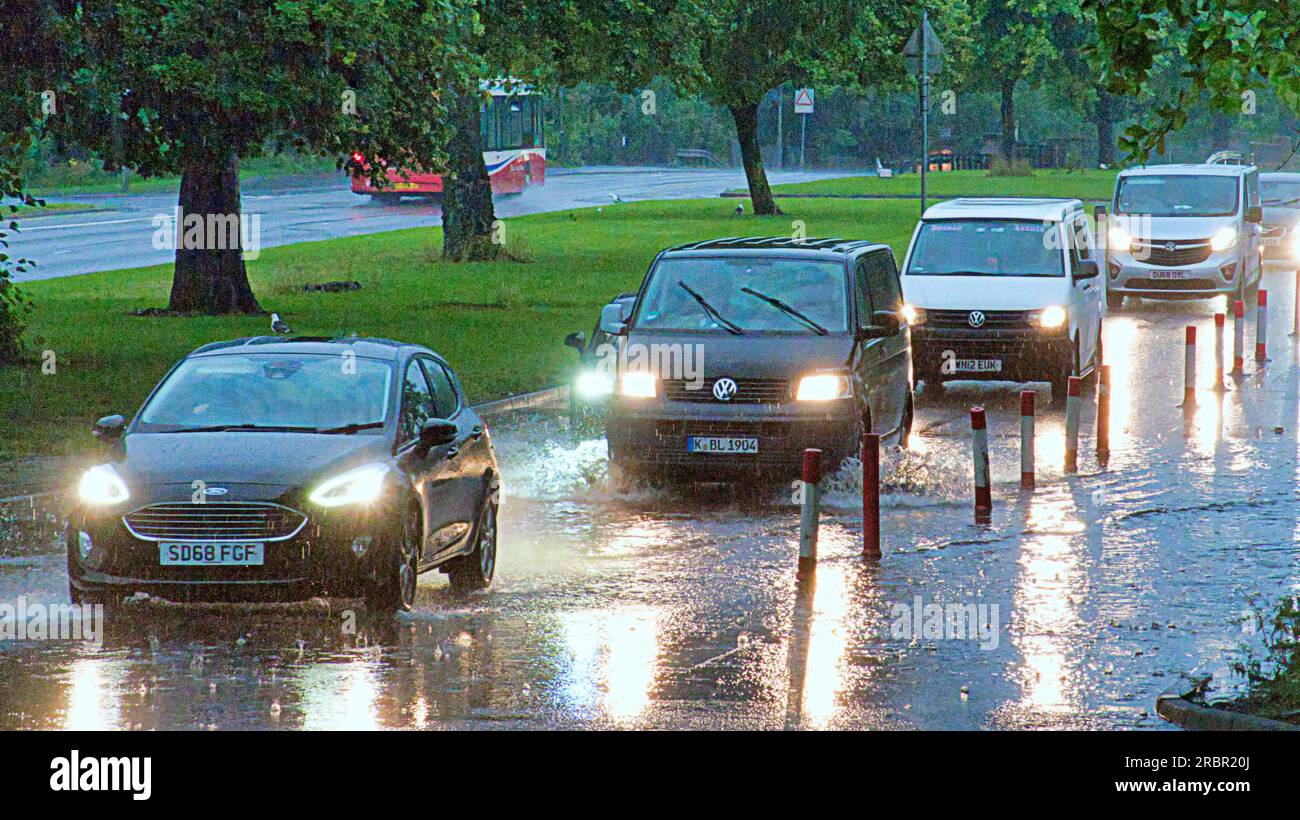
[1072, 407]
[1219, 320]
[808, 517]
[979, 440]
[871, 495]
[1026, 439]
[1189, 368]
[1238, 336]
[1261, 328]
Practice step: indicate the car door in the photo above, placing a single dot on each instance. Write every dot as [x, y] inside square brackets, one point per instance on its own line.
[428, 469]
[885, 360]
[1254, 231]
[1085, 294]
[463, 461]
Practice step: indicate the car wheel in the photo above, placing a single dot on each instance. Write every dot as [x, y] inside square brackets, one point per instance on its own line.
[474, 571]
[391, 587]
[1061, 384]
[905, 432]
[387, 199]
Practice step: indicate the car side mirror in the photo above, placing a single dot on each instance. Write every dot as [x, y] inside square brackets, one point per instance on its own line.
[884, 323]
[611, 320]
[436, 432]
[1255, 214]
[577, 341]
[109, 427]
[1087, 269]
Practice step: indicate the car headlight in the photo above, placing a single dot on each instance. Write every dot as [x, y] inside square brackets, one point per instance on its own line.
[1119, 238]
[1052, 317]
[593, 384]
[1295, 240]
[1224, 239]
[359, 486]
[637, 384]
[913, 315]
[824, 387]
[101, 486]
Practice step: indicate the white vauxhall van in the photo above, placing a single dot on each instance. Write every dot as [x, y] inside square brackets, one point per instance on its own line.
[1003, 289]
[1184, 232]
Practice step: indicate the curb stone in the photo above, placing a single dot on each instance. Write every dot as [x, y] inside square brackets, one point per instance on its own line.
[1173, 706]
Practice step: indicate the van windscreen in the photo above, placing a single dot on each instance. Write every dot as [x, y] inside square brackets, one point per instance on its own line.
[1177, 195]
[987, 247]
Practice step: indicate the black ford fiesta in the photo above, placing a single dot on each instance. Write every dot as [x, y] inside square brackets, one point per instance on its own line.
[274, 469]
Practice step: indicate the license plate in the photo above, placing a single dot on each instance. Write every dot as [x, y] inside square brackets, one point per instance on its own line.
[210, 554]
[728, 445]
[405, 186]
[978, 365]
[1170, 274]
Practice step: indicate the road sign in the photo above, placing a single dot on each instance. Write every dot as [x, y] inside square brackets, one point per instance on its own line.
[804, 99]
[924, 42]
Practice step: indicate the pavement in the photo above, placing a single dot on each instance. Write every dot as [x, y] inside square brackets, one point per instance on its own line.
[1075, 607]
[120, 233]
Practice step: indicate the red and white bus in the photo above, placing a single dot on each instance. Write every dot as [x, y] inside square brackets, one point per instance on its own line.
[514, 149]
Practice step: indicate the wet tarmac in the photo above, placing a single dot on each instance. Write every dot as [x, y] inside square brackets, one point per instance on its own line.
[682, 610]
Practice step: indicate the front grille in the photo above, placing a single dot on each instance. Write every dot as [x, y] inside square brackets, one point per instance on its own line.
[993, 319]
[1170, 284]
[748, 391]
[1185, 252]
[762, 429]
[215, 521]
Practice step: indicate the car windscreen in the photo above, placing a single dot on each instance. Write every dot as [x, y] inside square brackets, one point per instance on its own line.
[746, 294]
[987, 247]
[1177, 195]
[276, 391]
[1280, 192]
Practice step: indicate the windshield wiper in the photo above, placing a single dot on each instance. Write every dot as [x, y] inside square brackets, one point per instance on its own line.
[349, 429]
[787, 309]
[727, 325]
[236, 428]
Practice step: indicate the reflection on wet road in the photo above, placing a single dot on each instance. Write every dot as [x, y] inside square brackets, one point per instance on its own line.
[655, 609]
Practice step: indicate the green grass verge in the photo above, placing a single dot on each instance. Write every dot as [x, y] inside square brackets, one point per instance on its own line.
[37, 211]
[69, 179]
[500, 324]
[1087, 185]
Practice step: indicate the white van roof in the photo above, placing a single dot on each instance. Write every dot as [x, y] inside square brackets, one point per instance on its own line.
[1197, 169]
[1041, 210]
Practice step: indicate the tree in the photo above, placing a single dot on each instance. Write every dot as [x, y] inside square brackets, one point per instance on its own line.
[1231, 47]
[190, 86]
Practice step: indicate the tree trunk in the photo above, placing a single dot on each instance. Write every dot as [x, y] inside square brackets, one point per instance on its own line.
[210, 276]
[760, 195]
[467, 211]
[1008, 120]
[1105, 128]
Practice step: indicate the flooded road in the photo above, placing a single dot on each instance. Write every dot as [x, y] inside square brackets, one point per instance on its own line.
[655, 609]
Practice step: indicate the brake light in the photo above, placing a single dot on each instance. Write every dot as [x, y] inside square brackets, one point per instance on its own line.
[357, 158]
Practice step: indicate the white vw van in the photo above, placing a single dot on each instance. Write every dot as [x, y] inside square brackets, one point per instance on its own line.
[1003, 289]
[1184, 232]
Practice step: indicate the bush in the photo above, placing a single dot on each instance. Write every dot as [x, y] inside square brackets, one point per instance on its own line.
[999, 167]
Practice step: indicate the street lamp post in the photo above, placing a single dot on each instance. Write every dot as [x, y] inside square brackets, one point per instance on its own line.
[926, 51]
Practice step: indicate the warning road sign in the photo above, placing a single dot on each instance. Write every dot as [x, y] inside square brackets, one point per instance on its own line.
[804, 99]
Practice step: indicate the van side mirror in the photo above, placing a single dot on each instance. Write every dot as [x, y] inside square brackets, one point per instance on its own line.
[436, 432]
[577, 341]
[884, 323]
[109, 427]
[1255, 214]
[1087, 269]
[611, 320]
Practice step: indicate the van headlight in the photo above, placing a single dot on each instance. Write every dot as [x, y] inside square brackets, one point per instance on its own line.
[824, 387]
[637, 384]
[1295, 240]
[913, 315]
[1052, 317]
[101, 486]
[1119, 238]
[593, 384]
[1224, 239]
[359, 486]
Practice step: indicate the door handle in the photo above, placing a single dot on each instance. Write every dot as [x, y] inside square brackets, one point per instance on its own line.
[476, 432]
[453, 451]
